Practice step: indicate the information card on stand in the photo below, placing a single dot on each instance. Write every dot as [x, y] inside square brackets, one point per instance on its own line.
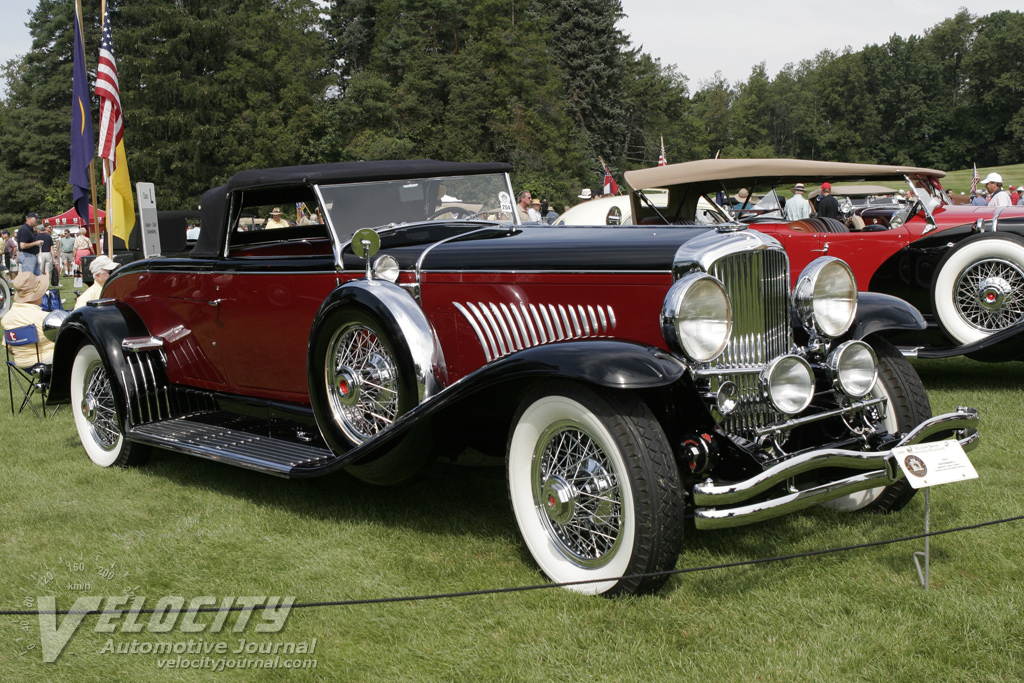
[930, 464]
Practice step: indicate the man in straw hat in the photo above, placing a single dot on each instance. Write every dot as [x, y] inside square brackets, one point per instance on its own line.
[275, 220]
[798, 208]
[28, 295]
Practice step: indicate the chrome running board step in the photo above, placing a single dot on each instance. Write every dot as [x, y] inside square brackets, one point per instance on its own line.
[242, 448]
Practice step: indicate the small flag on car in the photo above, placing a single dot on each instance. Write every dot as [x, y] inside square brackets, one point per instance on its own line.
[662, 161]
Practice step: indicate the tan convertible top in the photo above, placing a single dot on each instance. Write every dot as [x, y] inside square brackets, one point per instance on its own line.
[775, 171]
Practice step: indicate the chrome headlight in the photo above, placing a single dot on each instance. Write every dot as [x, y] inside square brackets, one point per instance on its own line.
[386, 268]
[696, 318]
[788, 382]
[853, 367]
[825, 297]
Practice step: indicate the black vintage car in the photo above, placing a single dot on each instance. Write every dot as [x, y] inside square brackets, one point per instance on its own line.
[625, 375]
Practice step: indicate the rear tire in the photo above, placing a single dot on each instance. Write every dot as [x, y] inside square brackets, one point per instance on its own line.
[594, 488]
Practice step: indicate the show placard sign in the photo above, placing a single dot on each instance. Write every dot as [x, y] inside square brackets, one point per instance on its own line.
[931, 464]
[146, 192]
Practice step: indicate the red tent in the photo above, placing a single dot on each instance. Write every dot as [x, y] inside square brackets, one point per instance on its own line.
[71, 217]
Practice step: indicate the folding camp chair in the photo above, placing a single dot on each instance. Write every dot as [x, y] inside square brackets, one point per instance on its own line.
[34, 380]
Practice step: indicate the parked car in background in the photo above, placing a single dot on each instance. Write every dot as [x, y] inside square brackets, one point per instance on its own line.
[627, 376]
[961, 265]
[618, 211]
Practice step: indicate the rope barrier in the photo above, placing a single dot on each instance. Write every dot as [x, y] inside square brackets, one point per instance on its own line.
[543, 586]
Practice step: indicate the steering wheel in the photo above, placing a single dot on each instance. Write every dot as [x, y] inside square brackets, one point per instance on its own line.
[455, 212]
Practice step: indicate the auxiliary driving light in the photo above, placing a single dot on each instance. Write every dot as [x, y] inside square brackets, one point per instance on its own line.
[788, 382]
[853, 367]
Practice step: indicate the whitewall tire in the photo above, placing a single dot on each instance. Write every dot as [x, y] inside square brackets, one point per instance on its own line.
[594, 488]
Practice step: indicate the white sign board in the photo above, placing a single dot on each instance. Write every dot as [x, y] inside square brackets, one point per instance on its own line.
[930, 464]
[146, 193]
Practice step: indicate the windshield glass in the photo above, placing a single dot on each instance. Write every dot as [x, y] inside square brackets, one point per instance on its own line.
[379, 204]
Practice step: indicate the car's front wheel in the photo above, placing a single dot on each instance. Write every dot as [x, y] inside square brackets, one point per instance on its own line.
[979, 287]
[906, 407]
[594, 488]
[92, 401]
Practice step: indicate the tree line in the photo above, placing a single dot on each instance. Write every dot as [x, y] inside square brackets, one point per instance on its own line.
[211, 87]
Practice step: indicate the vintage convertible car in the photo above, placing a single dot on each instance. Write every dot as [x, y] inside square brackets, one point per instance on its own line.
[625, 374]
[962, 266]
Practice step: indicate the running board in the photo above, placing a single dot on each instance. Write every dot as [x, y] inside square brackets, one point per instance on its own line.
[246, 449]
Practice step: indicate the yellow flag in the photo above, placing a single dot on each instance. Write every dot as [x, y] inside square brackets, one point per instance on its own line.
[122, 206]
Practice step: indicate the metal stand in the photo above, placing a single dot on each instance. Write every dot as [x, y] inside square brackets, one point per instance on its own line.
[927, 555]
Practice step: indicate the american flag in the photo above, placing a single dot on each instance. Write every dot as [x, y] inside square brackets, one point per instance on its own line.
[111, 123]
[662, 161]
[974, 179]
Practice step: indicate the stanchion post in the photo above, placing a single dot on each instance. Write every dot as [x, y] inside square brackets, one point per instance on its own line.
[926, 555]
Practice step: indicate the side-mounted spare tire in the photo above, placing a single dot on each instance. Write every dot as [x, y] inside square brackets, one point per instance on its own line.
[979, 287]
[364, 375]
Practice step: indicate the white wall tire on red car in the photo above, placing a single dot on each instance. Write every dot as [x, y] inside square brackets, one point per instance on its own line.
[594, 488]
[979, 287]
[95, 411]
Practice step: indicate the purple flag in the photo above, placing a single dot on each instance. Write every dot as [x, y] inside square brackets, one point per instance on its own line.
[81, 129]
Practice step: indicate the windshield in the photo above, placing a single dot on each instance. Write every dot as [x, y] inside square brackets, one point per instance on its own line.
[353, 206]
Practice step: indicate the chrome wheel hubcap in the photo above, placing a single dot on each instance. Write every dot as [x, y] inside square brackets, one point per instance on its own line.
[362, 381]
[98, 408]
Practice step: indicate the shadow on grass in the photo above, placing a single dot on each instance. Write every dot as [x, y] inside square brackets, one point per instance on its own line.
[964, 374]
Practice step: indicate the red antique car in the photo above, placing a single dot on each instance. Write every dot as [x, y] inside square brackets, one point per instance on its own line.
[625, 375]
[962, 266]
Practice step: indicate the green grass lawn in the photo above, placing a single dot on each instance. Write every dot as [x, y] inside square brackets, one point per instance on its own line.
[187, 527]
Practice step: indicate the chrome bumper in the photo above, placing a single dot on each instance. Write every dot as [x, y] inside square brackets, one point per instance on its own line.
[880, 468]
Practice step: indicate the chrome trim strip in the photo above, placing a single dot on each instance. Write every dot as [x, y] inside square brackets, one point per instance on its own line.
[817, 417]
[495, 328]
[476, 328]
[523, 316]
[138, 344]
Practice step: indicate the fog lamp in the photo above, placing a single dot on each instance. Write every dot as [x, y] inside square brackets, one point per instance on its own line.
[788, 383]
[853, 367]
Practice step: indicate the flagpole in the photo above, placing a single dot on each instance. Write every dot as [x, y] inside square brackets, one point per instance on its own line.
[108, 181]
[91, 225]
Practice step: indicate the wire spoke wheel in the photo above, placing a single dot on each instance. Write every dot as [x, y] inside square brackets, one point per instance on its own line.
[362, 382]
[577, 494]
[990, 295]
[98, 406]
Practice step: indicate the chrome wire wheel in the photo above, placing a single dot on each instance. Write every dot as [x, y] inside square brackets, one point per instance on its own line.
[990, 294]
[97, 407]
[362, 382]
[576, 492]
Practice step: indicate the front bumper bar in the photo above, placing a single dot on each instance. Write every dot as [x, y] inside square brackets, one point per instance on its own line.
[880, 469]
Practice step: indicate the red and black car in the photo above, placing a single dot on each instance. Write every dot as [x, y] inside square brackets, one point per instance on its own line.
[626, 375]
[962, 266]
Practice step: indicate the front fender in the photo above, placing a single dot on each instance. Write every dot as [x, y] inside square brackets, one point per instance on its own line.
[103, 326]
[878, 312]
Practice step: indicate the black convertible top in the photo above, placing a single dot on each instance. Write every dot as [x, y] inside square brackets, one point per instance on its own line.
[213, 203]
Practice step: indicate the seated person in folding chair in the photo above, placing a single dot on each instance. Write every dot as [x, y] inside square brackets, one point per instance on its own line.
[25, 311]
[100, 267]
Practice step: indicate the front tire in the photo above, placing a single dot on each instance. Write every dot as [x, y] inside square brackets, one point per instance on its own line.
[96, 418]
[907, 406]
[594, 488]
[979, 288]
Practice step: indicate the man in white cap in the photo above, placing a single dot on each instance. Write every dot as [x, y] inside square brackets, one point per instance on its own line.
[28, 295]
[997, 195]
[100, 267]
[797, 207]
[275, 220]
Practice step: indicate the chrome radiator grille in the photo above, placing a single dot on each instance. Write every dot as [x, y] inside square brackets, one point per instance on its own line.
[758, 287]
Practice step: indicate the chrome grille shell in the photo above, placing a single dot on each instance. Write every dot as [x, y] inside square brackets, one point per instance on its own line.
[754, 269]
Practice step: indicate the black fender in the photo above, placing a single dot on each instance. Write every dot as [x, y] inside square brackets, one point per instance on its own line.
[604, 363]
[104, 326]
[878, 312]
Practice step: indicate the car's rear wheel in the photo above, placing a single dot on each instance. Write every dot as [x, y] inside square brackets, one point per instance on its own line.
[906, 407]
[979, 287]
[594, 488]
[5, 297]
[96, 419]
[364, 384]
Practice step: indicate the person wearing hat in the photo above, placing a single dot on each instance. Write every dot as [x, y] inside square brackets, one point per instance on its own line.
[998, 196]
[585, 194]
[741, 202]
[275, 220]
[828, 206]
[534, 210]
[1015, 194]
[797, 207]
[977, 198]
[100, 267]
[28, 295]
[28, 245]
